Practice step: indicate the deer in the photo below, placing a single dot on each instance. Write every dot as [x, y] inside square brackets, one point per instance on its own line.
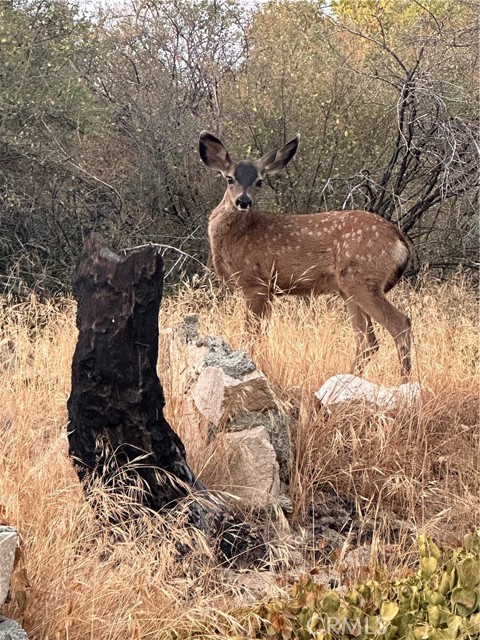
[356, 253]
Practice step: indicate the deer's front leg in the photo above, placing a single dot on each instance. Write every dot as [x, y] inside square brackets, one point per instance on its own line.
[259, 307]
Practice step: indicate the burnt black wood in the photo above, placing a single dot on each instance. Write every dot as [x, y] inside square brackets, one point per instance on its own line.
[116, 404]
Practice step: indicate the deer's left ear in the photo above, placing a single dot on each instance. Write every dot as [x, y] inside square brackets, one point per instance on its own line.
[278, 159]
[213, 152]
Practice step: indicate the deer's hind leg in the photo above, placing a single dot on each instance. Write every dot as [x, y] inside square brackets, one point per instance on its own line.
[374, 303]
[365, 337]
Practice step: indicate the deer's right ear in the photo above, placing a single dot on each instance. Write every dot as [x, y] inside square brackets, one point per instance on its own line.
[213, 153]
[278, 159]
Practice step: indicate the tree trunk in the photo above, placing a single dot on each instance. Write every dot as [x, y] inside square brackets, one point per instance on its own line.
[116, 404]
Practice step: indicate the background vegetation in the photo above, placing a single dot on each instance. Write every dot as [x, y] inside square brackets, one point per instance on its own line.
[100, 114]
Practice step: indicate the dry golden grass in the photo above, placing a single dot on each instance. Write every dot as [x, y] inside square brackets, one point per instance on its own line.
[421, 469]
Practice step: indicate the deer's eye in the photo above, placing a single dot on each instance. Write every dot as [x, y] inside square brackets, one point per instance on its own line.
[230, 180]
[259, 183]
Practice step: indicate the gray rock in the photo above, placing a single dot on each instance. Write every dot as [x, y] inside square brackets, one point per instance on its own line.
[11, 630]
[337, 540]
[8, 545]
[230, 394]
[251, 469]
[277, 425]
[236, 364]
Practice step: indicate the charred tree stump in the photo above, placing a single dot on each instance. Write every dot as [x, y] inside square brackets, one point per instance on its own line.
[116, 404]
[117, 431]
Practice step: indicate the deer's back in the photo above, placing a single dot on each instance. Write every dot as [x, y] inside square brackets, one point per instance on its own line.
[304, 253]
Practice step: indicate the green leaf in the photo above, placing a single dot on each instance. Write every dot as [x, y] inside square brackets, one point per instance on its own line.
[365, 591]
[330, 602]
[422, 543]
[469, 572]
[421, 631]
[313, 622]
[472, 625]
[454, 623]
[428, 566]
[389, 610]
[391, 633]
[464, 596]
[434, 615]
[434, 597]
[434, 550]
[352, 597]
[446, 582]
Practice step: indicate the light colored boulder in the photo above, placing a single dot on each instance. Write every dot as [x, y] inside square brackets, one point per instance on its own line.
[277, 424]
[249, 468]
[346, 388]
[218, 395]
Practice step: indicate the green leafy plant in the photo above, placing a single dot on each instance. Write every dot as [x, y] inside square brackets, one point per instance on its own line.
[441, 601]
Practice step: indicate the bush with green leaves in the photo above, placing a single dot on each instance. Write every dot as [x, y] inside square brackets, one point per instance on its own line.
[441, 601]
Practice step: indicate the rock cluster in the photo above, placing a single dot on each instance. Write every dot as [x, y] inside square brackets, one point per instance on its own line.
[249, 431]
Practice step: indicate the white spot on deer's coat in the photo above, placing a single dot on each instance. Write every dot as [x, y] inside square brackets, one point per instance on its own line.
[310, 233]
[377, 235]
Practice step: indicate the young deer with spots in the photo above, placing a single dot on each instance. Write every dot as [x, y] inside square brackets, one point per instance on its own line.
[357, 253]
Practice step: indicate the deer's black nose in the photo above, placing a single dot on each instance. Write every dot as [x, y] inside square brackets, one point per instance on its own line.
[243, 202]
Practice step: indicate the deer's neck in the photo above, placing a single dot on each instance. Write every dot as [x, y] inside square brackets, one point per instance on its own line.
[227, 222]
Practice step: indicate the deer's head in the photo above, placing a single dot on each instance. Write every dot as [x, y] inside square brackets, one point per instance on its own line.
[244, 177]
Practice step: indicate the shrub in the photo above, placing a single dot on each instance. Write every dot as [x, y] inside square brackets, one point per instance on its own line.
[441, 601]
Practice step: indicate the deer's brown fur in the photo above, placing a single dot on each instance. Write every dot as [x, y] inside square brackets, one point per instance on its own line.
[356, 253]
